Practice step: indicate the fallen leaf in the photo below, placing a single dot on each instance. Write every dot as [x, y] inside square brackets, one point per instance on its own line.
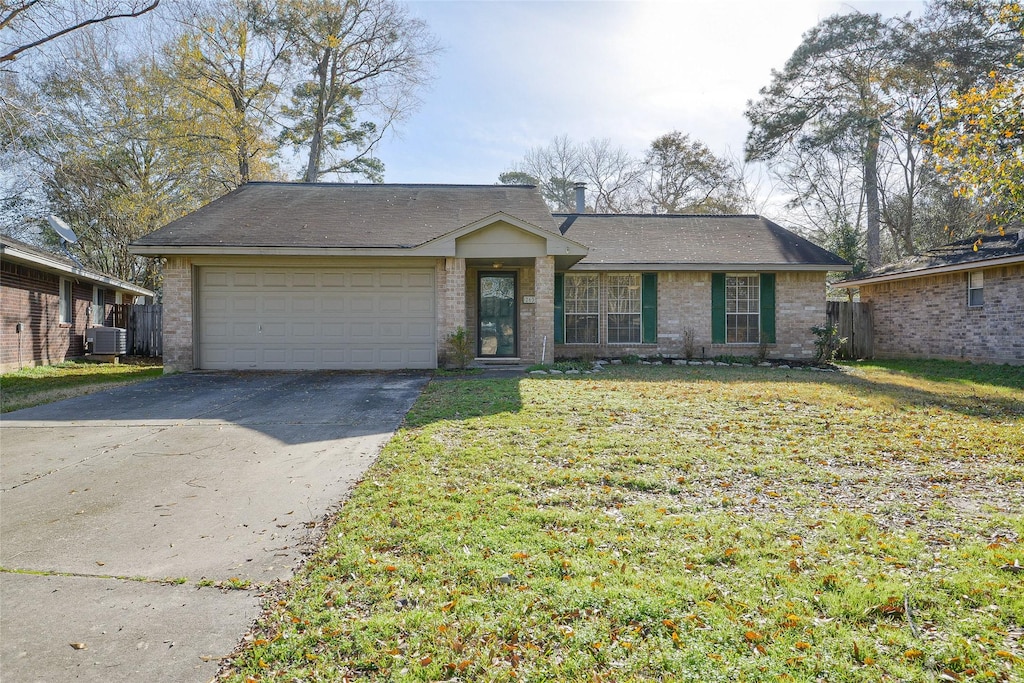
[78, 646]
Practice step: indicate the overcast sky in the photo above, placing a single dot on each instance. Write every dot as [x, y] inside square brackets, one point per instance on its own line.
[515, 74]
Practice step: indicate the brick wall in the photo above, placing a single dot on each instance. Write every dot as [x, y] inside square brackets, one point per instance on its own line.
[32, 297]
[928, 317]
[684, 306]
[535, 320]
[449, 292]
[544, 310]
[178, 339]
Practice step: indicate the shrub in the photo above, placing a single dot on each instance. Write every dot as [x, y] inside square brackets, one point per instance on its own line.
[827, 342]
[460, 348]
[689, 343]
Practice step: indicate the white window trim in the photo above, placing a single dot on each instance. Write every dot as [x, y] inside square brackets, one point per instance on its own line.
[973, 286]
[66, 301]
[757, 285]
[639, 312]
[98, 305]
[597, 313]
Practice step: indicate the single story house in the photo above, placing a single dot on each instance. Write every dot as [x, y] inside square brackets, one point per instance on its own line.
[293, 276]
[47, 301]
[960, 301]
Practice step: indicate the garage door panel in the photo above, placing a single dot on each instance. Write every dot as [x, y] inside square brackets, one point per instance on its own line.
[305, 318]
[275, 279]
[420, 332]
[245, 279]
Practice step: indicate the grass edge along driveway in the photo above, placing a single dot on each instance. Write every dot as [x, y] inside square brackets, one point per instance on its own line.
[675, 524]
[35, 386]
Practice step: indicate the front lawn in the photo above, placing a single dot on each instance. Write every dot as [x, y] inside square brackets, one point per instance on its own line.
[675, 523]
[47, 383]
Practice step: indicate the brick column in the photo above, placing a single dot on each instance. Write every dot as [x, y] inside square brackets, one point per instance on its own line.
[451, 298]
[544, 310]
[177, 313]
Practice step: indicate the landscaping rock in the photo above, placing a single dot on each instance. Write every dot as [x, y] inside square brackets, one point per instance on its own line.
[538, 372]
[679, 362]
[617, 361]
[554, 372]
[572, 372]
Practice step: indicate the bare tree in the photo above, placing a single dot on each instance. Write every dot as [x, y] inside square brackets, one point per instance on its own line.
[28, 24]
[366, 60]
[684, 176]
[227, 68]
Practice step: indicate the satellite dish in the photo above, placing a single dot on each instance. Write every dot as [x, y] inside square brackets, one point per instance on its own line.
[62, 229]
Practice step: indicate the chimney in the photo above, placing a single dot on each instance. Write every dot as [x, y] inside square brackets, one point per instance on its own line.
[581, 197]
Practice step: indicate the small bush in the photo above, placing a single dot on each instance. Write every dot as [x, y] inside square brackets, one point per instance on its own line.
[631, 359]
[762, 352]
[460, 348]
[827, 343]
[689, 343]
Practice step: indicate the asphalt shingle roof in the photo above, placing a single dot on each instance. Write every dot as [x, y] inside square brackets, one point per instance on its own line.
[691, 239]
[64, 264]
[962, 252]
[346, 215]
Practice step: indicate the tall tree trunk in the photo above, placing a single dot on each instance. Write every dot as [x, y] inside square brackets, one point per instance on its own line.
[316, 139]
[874, 241]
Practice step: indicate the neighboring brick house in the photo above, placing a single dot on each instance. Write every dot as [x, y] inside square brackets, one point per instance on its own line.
[48, 301]
[297, 276]
[960, 301]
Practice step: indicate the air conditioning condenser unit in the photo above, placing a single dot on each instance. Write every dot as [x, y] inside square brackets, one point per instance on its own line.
[106, 341]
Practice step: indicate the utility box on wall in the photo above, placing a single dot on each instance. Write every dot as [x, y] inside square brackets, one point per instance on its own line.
[106, 341]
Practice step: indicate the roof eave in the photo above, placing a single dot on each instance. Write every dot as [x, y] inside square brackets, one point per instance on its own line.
[15, 254]
[717, 267]
[935, 270]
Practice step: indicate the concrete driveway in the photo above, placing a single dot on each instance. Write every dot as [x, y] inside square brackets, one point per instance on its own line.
[115, 506]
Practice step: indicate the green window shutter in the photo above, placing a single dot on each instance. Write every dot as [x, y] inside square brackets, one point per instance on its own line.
[559, 308]
[718, 308]
[649, 308]
[768, 308]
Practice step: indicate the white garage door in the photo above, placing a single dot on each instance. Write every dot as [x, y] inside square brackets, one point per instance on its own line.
[316, 318]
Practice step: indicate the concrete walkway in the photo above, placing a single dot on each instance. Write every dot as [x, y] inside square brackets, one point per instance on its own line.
[115, 507]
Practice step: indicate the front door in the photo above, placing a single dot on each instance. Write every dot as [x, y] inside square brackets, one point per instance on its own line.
[496, 327]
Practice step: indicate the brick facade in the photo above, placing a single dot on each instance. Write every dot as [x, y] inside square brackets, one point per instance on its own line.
[928, 317]
[684, 307]
[684, 304]
[178, 334]
[31, 296]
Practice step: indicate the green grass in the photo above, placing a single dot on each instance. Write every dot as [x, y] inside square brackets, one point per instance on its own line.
[674, 523]
[45, 384]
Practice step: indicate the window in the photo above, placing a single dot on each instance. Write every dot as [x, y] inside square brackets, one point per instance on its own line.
[97, 306]
[742, 309]
[67, 300]
[624, 309]
[975, 289]
[581, 308]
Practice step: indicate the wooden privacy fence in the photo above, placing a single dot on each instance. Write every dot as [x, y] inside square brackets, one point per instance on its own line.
[853, 319]
[144, 325]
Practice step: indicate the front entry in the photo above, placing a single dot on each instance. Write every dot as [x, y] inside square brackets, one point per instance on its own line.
[497, 320]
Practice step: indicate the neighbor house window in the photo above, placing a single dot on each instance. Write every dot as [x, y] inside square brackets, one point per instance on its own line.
[581, 308]
[624, 309]
[975, 289]
[97, 306]
[742, 309]
[67, 300]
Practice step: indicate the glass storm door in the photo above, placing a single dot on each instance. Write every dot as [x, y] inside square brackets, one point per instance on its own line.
[496, 331]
